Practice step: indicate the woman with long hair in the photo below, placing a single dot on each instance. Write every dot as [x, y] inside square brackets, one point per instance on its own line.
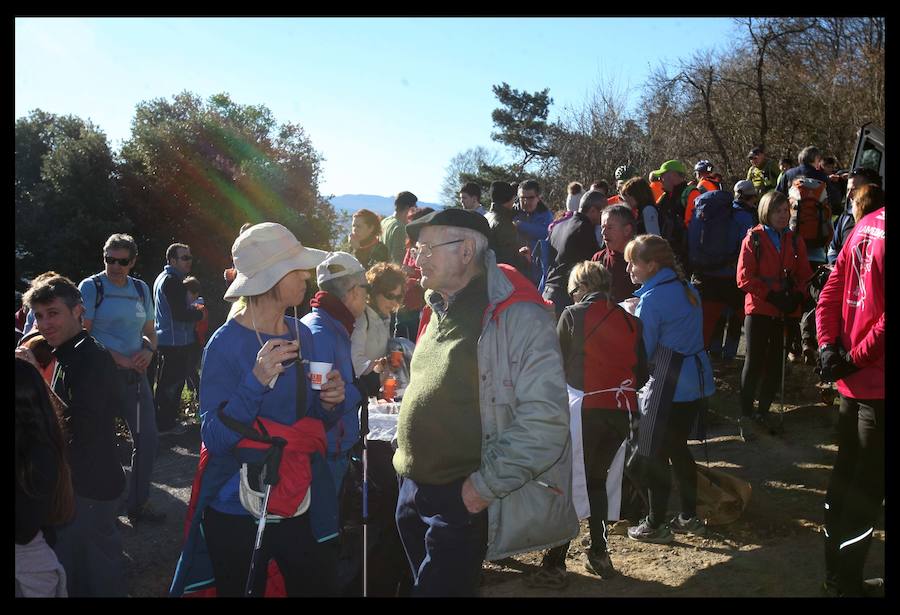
[669, 310]
[365, 239]
[44, 495]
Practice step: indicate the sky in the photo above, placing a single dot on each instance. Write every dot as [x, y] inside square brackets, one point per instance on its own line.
[387, 101]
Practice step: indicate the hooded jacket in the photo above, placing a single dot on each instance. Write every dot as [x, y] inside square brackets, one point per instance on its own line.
[851, 308]
[524, 419]
[758, 277]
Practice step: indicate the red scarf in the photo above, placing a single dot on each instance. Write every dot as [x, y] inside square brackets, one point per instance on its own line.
[335, 308]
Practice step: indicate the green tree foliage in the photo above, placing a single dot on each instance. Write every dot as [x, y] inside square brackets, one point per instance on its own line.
[467, 164]
[521, 122]
[67, 198]
[195, 171]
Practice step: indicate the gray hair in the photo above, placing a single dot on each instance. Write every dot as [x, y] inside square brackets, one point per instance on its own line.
[481, 242]
[121, 241]
[808, 155]
[339, 287]
[592, 198]
[622, 212]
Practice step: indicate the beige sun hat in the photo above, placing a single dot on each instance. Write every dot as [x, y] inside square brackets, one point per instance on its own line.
[265, 253]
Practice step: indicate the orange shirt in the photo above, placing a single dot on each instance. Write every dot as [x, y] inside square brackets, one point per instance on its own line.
[657, 189]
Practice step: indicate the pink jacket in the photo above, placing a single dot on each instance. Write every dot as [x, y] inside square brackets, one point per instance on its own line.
[851, 307]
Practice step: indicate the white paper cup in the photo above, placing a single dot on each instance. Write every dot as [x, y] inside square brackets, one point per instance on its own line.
[318, 373]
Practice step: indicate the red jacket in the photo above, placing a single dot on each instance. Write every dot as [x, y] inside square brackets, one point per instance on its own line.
[851, 307]
[756, 279]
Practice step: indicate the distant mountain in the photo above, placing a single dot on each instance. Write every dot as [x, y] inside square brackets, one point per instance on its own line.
[381, 205]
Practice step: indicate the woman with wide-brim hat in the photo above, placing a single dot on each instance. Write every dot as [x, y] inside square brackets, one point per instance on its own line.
[249, 379]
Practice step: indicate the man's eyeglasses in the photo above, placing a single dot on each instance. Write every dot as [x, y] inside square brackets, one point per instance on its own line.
[186, 257]
[424, 250]
[398, 297]
[110, 260]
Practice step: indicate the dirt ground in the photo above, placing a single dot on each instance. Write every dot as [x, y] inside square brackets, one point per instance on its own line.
[774, 550]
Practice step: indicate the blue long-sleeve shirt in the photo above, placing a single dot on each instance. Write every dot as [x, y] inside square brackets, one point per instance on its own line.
[670, 319]
[227, 377]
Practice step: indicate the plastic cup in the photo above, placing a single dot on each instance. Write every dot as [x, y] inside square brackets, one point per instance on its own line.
[318, 373]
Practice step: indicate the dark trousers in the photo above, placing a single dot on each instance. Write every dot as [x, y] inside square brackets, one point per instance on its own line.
[90, 550]
[762, 363]
[309, 568]
[675, 449]
[172, 371]
[444, 542]
[855, 492]
[602, 433]
[139, 403]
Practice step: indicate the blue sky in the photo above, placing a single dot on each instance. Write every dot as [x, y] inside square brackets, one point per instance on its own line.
[387, 101]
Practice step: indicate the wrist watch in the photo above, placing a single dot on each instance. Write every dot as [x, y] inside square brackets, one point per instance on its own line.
[147, 345]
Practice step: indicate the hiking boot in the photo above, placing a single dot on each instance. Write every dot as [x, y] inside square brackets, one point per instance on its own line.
[547, 578]
[647, 533]
[693, 525]
[146, 514]
[600, 564]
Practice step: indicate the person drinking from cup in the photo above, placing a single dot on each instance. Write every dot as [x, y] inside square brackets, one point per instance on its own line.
[254, 378]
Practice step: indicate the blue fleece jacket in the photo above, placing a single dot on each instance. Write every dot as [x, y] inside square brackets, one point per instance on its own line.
[175, 318]
[669, 319]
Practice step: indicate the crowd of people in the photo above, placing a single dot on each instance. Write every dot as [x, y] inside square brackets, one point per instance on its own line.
[561, 365]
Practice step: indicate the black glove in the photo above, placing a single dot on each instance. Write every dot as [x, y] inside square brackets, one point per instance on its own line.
[793, 301]
[835, 363]
[780, 299]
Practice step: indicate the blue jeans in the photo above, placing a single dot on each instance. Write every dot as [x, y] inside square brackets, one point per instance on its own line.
[144, 436]
[444, 542]
[90, 549]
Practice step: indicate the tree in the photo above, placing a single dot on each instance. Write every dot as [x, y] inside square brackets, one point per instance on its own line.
[195, 171]
[67, 199]
[467, 163]
[522, 122]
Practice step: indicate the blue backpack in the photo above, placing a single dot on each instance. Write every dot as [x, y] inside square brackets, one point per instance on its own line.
[713, 239]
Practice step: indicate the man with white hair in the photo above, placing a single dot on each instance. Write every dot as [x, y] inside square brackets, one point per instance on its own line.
[483, 453]
[341, 299]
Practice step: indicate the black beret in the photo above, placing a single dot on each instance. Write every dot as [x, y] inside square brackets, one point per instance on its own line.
[451, 216]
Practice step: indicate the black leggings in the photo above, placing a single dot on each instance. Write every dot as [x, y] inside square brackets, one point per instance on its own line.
[855, 491]
[602, 433]
[308, 568]
[764, 356]
[675, 448]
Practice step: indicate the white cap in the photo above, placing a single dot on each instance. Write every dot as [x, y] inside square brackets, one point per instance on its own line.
[337, 265]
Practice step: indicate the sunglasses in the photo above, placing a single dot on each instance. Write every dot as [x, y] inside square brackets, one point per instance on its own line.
[124, 262]
[398, 297]
[186, 257]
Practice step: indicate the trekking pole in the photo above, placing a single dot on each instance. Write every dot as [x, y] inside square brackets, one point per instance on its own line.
[135, 465]
[269, 477]
[364, 432]
[784, 344]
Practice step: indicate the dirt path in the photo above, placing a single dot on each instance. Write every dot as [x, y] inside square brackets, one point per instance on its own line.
[774, 550]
